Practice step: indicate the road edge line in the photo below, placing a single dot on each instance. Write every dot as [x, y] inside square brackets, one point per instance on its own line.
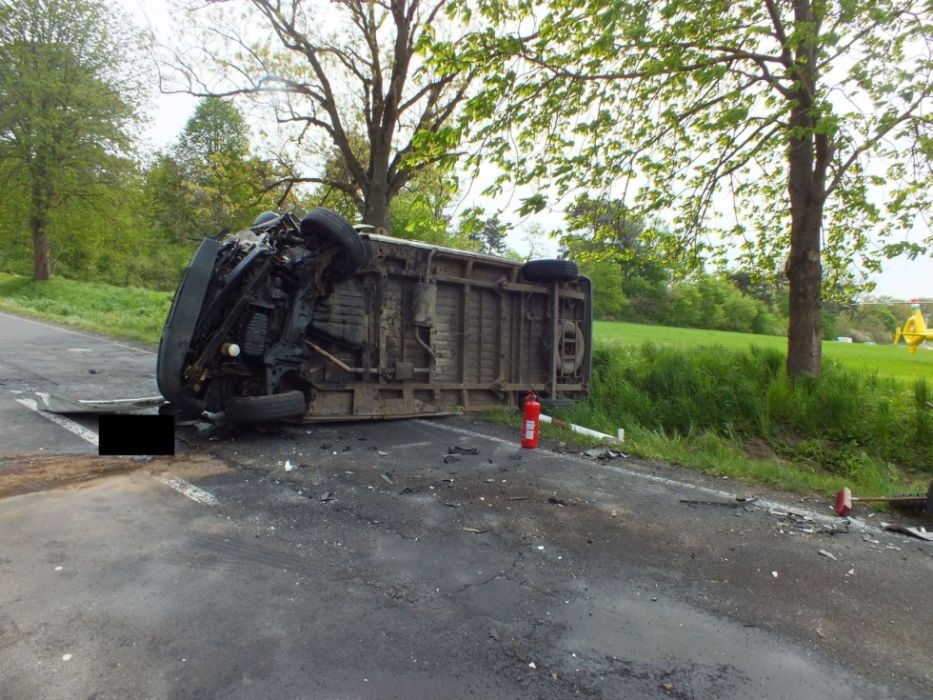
[75, 428]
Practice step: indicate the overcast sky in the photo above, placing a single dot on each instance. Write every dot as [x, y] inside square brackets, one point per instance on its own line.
[901, 278]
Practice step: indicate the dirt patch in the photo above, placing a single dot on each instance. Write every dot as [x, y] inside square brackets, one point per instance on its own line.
[20, 474]
[759, 449]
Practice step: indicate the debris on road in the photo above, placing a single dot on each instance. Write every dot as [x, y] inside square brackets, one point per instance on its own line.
[841, 528]
[739, 501]
[461, 450]
[603, 453]
[329, 496]
[289, 467]
[474, 530]
[451, 458]
[386, 477]
[919, 532]
[828, 555]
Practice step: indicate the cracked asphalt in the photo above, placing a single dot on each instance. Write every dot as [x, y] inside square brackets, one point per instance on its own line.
[375, 569]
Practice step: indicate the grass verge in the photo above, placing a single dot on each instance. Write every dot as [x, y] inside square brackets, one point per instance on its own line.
[711, 454]
[125, 312]
[736, 413]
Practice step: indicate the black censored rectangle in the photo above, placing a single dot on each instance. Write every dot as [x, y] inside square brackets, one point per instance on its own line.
[136, 435]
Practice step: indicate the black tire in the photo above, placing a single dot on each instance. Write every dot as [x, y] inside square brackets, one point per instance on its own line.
[180, 325]
[550, 271]
[265, 409]
[354, 253]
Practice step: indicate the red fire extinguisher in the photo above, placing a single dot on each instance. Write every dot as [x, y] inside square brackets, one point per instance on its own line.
[530, 421]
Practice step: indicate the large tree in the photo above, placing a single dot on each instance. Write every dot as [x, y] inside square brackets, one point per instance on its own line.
[210, 180]
[65, 104]
[799, 127]
[332, 71]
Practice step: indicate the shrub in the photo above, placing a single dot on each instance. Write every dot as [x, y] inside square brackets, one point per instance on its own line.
[846, 421]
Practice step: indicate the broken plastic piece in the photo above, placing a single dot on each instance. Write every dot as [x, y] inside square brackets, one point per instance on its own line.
[921, 533]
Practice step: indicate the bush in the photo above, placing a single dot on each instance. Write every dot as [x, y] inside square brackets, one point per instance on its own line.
[845, 422]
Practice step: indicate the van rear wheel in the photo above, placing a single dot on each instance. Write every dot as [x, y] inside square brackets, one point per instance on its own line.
[353, 253]
[550, 271]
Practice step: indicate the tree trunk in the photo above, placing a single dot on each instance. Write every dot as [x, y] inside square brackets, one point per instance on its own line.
[40, 248]
[38, 221]
[808, 160]
[805, 328]
[377, 208]
[376, 195]
[806, 184]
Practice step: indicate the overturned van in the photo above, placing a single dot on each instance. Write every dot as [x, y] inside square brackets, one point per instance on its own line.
[311, 319]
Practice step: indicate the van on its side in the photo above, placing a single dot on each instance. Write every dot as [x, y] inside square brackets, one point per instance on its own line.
[313, 320]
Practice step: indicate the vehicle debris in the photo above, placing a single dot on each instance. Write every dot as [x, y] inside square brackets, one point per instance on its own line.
[329, 496]
[553, 500]
[739, 501]
[451, 458]
[461, 450]
[55, 403]
[921, 533]
[603, 453]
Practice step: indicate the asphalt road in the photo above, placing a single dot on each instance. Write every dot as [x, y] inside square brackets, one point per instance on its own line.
[375, 569]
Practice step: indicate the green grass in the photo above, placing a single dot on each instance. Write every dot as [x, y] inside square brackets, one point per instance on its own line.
[125, 312]
[891, 361]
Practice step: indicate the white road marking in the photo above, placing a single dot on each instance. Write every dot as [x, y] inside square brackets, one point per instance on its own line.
[83, 335]
[763, 503]
[189, 490]
[69, 425]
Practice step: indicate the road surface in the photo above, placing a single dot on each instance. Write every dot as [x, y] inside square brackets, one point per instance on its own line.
[376, 569]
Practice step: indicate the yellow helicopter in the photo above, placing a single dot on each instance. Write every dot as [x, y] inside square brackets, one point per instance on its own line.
[915, 328]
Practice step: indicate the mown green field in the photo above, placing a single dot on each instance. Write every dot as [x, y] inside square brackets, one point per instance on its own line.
[887, 360]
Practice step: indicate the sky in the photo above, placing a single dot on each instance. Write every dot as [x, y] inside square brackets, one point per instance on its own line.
[900, 278]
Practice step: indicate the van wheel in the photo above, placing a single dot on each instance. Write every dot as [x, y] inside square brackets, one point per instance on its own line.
[265, 409]
[354, 253]
[550, 271]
